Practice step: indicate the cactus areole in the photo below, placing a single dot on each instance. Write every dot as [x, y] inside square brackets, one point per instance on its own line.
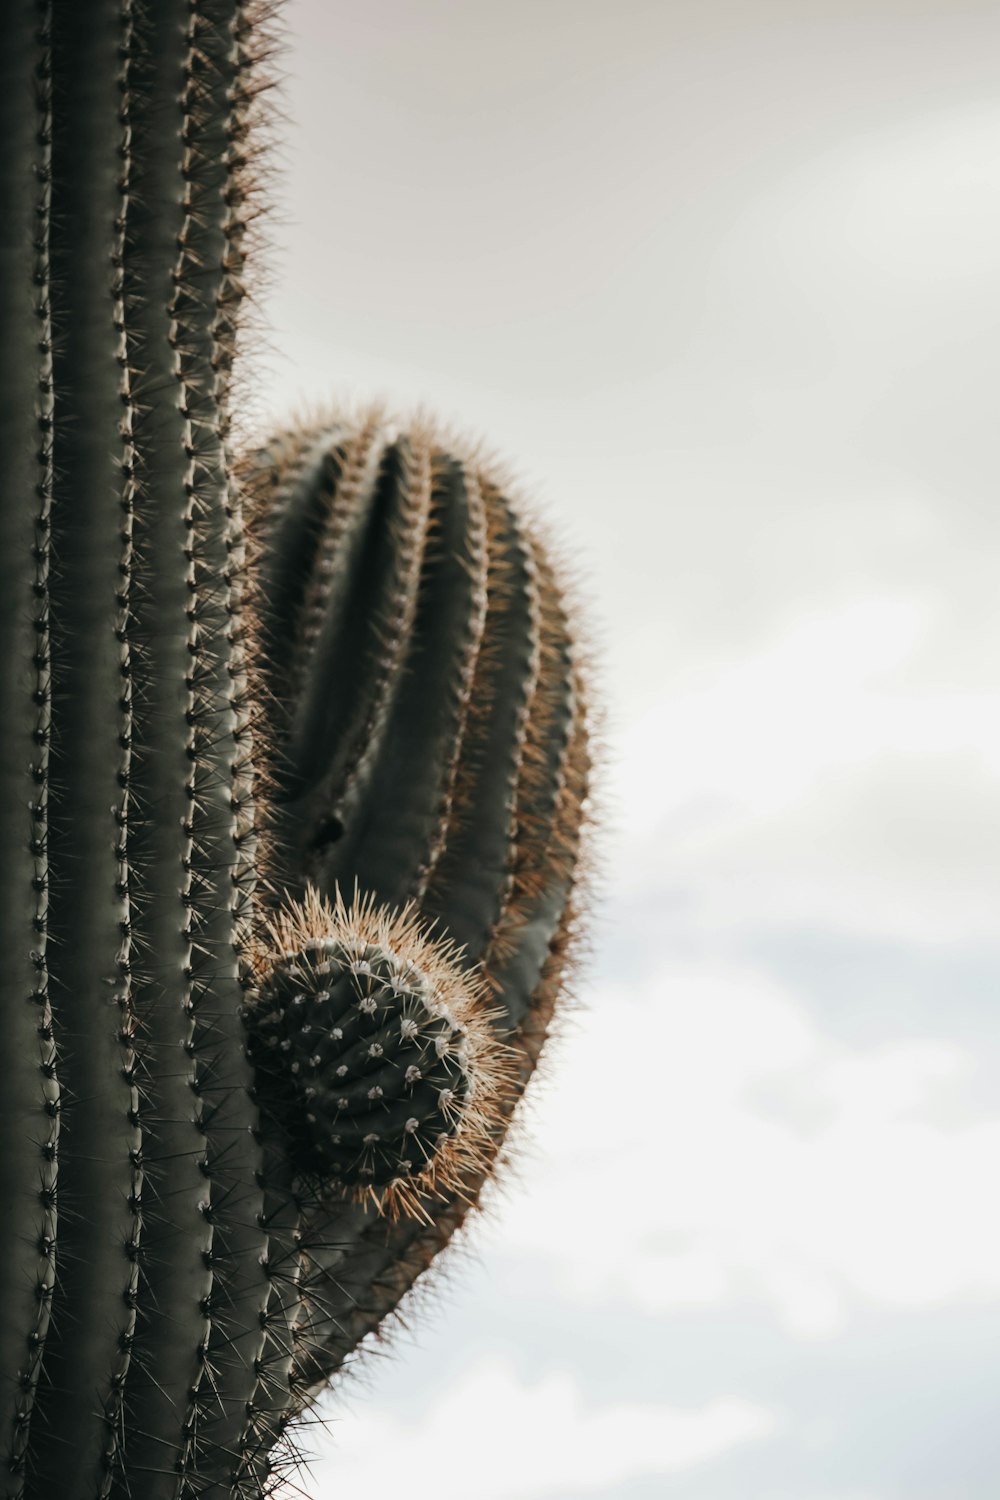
[294, 762]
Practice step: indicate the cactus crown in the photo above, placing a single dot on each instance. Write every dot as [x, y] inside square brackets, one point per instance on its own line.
[241, 1113]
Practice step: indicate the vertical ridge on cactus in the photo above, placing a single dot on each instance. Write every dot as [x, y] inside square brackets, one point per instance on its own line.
[89, 925]
[291, 800]
[29, 1090]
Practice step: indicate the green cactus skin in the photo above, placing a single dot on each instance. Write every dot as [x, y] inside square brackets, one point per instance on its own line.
[429, 743]
[216, 728]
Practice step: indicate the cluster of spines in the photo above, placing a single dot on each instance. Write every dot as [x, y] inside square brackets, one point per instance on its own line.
[466, 795]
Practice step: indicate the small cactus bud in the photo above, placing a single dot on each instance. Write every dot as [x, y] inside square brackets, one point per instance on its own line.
[386, 1082]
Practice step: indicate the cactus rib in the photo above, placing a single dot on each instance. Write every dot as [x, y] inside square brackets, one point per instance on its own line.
[89, 912]
[29, 1088]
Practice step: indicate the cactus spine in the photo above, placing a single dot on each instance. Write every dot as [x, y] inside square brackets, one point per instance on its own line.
[291, 801]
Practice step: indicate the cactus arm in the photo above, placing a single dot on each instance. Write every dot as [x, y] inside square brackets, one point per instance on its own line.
[87, 1356]
[474, 803]
[29, 1092]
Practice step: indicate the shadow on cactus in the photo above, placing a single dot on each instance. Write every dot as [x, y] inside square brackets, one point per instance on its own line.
[293, 769]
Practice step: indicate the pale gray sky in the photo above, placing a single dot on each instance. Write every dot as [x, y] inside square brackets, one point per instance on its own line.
[720, 280]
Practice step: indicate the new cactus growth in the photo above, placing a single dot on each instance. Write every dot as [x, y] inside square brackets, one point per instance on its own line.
[289, 748]
[373, 1053]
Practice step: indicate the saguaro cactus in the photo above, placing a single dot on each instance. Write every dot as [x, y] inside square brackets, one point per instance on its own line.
[290, 801]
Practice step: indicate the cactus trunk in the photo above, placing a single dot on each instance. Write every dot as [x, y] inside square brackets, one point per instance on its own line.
[127, 776]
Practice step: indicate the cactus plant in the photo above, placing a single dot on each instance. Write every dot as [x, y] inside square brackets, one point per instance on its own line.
[294, 763]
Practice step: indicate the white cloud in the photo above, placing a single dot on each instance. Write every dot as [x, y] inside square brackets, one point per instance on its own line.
[547, 1444]
[857, 230]
[764, 729]
[706, 1144]
[801, 783]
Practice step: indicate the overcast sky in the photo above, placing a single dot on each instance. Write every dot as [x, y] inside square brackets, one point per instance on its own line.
[720, 280]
